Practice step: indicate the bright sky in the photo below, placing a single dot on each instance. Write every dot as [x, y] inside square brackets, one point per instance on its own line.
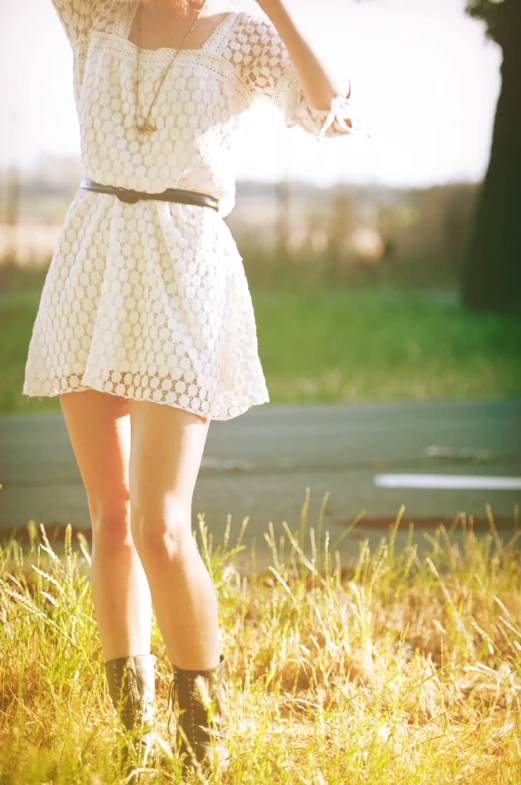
[425, 79]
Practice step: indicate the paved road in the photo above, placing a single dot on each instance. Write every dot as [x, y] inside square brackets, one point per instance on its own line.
[259, 465]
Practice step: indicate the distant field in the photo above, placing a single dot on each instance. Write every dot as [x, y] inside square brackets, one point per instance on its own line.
[33, 240]
[334, 345]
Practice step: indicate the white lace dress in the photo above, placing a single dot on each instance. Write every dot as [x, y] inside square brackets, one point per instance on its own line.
[150, 300]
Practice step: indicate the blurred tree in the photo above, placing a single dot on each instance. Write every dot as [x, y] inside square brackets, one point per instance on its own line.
[492, 268]
[283, 220]
[491, 277]
[342, 221]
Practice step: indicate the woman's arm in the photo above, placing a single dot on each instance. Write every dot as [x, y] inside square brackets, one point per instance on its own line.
[316, 83]
[295, 81]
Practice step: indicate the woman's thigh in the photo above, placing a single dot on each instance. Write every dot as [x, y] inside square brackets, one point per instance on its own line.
[167, 447]
[99, 430]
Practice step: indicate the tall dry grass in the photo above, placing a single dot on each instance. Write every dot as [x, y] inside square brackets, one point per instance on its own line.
[393, 669]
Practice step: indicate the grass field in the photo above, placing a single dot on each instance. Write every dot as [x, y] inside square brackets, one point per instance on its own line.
[393, 670]
[375, 345]
[333, 345]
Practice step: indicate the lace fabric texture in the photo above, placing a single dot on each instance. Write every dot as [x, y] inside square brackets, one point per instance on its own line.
[150, 300]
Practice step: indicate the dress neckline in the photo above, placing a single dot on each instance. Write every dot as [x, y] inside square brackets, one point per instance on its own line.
[124, 26]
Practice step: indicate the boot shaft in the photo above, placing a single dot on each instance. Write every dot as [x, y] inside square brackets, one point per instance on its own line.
[131, 683]
[200, 702]
[199, 695]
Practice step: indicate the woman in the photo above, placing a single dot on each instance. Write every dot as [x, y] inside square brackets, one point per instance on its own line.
[145, 324]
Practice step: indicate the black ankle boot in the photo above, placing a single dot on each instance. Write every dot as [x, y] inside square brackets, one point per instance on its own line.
[131, 682]
[199, 737]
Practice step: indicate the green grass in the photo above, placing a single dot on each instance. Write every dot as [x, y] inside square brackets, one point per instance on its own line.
[392, 670]
[335, 345]
[384, 345]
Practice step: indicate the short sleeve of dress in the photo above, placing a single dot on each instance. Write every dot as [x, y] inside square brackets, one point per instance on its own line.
[76, 17]
[265, 68]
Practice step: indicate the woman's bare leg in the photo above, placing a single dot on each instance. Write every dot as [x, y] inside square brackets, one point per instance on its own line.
[166, 452]
[99, 429]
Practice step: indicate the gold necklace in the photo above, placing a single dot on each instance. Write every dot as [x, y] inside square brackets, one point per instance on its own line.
[147, 128]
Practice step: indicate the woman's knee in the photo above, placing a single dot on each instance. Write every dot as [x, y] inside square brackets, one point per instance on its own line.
[111, 526]
[162, 533]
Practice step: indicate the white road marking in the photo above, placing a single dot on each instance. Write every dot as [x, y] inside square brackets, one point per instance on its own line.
[448, 481]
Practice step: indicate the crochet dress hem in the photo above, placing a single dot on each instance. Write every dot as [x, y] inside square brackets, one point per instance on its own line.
[238, 410]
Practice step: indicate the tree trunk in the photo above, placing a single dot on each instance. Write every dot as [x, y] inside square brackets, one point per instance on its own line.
[492, 268]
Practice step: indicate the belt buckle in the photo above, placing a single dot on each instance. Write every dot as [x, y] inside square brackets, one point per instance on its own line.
[124, 196]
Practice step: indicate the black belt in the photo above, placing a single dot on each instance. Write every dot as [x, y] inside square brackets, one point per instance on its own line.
[170, 195]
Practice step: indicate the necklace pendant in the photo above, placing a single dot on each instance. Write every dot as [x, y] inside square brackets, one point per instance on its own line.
[146, 129]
